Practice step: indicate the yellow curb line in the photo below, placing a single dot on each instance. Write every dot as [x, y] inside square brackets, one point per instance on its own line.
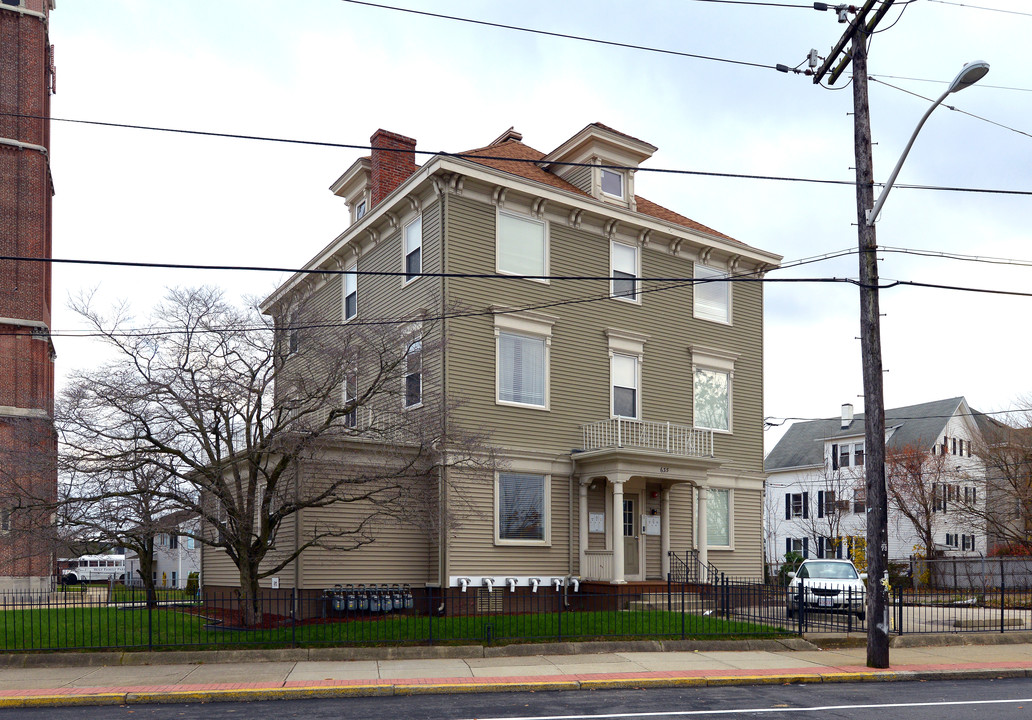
[37, 701]
[256, 694]
[486, 687]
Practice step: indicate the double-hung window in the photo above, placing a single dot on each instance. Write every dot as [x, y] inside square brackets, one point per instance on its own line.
[5, 520]
[521, 245]
[522, 369]
[797, 505]
[624, 370]
[414, 249]
[521, 508]
[712, 399]
[625, 271]
[712, 294]
[712, 371]
[522, 345]
[351, 292]
[414, 372]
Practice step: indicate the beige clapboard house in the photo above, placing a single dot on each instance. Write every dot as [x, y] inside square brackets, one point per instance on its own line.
[627, 413]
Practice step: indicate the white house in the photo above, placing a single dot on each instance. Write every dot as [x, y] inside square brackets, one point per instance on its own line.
[816, 495]
[175, 555]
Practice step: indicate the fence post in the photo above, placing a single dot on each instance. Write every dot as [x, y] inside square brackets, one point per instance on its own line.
[668, 599]
[682, 608]
[725, 591]
[1002, 595]
[430, 614]
[561, 603]
[293, 617]
[899, 605]
[150, 628]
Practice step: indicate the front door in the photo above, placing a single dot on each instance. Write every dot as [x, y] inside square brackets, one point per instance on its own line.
[632, 561]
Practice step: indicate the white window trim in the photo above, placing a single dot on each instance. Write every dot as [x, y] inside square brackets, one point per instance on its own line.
[351, 270]
[637, 388]
[636, 298]
[405, 281]
[626, 342]
[524, 323]
[730, 303]
[706, 358]
[623, 184]
[730, 511]
[546, 501]
[546, 244]
[730, 520]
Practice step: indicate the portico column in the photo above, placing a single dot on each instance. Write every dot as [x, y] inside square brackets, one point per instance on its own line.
[664, 531]
[703, 547]
[583, 526]
[617, 531]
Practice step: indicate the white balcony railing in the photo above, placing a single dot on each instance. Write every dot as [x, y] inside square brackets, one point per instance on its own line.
[642, 434]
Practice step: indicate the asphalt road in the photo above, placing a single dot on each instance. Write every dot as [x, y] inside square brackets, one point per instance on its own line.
[1007, 699]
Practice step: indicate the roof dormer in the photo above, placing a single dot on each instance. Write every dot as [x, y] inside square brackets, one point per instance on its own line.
[604, 161]
[355, 187]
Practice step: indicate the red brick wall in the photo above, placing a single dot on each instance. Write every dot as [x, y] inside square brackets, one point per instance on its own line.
[28, 449]
[388, 167]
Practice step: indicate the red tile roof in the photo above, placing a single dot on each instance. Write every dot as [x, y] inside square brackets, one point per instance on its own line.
[512, 157]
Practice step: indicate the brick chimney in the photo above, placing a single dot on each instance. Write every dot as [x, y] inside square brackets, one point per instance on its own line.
[392, 162]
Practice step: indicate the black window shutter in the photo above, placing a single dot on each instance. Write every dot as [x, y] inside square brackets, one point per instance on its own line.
[806, 547]
[820, 547]
[820, 503]
[788, 507]
[806, 505]
[834, 457]
[838, 549]
[788, 545]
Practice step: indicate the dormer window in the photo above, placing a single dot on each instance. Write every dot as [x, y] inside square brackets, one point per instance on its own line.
[612, 183]
[360, 210]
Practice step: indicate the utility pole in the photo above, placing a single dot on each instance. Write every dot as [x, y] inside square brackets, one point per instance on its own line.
[870, 329]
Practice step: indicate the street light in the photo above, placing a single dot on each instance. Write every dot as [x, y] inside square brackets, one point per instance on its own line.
[968, 75]
[870, 340]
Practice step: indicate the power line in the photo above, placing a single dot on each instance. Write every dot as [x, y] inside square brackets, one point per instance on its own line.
[954, 108]
[478, 157]
[596, 297]
[565, 36]
[955, 256]
[947, 82]
[979, 7]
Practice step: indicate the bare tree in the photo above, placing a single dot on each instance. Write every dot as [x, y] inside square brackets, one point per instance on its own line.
[126, 508]
[1005, 451]
[833, 489]
[920, 484]
[252, 423]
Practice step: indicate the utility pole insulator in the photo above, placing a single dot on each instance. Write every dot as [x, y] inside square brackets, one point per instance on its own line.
[812, 58]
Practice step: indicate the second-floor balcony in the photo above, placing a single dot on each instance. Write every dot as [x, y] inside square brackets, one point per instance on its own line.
[672, 438]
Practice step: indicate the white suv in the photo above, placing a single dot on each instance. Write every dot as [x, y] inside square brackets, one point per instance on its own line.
[828, 585]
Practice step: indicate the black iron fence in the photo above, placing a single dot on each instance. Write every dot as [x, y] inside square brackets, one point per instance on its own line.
[721, 607]
[101, 620]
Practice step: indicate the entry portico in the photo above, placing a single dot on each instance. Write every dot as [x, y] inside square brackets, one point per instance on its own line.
[625, 457]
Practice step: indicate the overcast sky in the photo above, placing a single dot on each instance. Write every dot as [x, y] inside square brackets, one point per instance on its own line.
[335, 71]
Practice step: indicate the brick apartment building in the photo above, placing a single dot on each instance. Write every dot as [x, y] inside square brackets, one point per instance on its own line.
[28, 447]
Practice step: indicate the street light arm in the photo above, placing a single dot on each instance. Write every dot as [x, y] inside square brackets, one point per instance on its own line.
[872, 214]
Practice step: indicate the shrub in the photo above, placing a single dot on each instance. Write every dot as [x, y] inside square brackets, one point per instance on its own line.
[192, 583]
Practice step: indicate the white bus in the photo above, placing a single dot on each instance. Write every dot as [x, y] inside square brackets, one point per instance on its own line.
[92, 568]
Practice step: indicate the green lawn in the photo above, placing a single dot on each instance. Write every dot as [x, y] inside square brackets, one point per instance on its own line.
[111, 627]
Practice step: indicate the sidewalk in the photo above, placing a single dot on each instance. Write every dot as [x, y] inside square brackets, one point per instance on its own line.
[247, 675]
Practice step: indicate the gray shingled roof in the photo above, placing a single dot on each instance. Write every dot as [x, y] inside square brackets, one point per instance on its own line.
[803, 444]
